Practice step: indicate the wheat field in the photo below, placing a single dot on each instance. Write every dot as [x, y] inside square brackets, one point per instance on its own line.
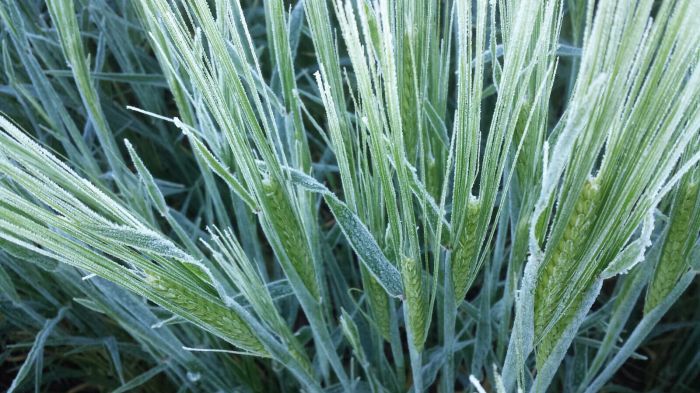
[350, 196]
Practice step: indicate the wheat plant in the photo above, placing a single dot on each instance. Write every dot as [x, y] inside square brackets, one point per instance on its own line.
[349, 195]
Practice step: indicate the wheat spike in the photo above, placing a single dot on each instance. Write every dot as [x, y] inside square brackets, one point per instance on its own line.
[674, 256]
[290, 233]
[555, 273]
[465, 251]
[213, 314]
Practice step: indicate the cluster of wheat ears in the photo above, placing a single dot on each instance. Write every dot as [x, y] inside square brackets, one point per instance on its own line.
[335, 195]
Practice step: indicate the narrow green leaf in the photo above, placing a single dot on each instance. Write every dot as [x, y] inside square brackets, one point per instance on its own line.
[358, 235]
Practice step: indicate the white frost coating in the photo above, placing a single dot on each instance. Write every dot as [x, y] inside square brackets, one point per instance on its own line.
[553, 167]
[421, 193]
[147, 113]
[533, 245]
[148, 181]
[358, 235]
[150, 241]
[366, 247]
[68, 175]
[186, 129]
[499, 386]
[89, 276]
[302, 179]
[680, 145]
[476, 383]
[634, 253]
[144, 240]
[666, 188]
[164, 322]
[225, 297]
[551, 365]
[193, 376]
[522, 338]
[217, 351]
